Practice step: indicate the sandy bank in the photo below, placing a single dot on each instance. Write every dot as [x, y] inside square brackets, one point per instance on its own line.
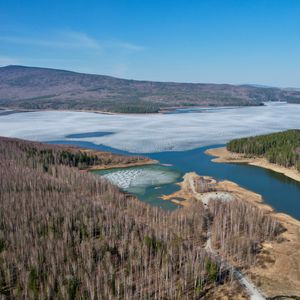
[225, 156]
[223, 190]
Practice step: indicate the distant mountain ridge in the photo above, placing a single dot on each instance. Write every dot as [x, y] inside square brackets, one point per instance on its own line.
[42, 88]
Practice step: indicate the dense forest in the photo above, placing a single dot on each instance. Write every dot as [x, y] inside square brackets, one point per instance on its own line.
[281, 148]
[67, 234]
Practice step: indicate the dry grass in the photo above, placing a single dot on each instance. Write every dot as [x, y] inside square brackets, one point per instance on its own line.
[279, 272]
[278, 269]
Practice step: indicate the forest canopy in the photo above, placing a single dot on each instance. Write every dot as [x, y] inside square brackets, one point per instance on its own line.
[282, 148]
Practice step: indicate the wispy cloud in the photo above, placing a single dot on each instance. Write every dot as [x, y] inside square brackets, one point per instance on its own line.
[81, 38]
[66, 39]
[69, 50]
[70, 39]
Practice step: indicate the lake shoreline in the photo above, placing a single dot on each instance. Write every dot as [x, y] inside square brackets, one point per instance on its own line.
[222, 155]
[189, 193]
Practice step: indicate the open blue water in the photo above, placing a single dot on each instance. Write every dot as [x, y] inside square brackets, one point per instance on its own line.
[279, 191]
[88, 134]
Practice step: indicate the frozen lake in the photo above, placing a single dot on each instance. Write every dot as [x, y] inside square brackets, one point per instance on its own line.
[153, 132]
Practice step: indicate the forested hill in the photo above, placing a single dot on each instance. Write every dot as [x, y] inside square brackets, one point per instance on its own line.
[66, 234]
[41, 88]
[69, 235]
[282, 148]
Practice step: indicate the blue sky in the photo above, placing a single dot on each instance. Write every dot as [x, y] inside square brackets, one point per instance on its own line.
[230, 41]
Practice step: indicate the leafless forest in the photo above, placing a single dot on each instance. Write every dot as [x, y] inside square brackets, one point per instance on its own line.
[65, 234]
[41, 156]
[239, 228]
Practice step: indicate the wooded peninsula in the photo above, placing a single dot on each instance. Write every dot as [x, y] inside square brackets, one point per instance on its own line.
[282, 148]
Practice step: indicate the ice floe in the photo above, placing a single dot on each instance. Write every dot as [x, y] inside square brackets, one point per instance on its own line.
[137, 179]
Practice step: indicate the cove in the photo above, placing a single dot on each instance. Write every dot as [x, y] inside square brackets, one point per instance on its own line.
[277, 190]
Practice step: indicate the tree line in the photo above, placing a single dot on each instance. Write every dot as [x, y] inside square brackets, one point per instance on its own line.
[281, 148]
